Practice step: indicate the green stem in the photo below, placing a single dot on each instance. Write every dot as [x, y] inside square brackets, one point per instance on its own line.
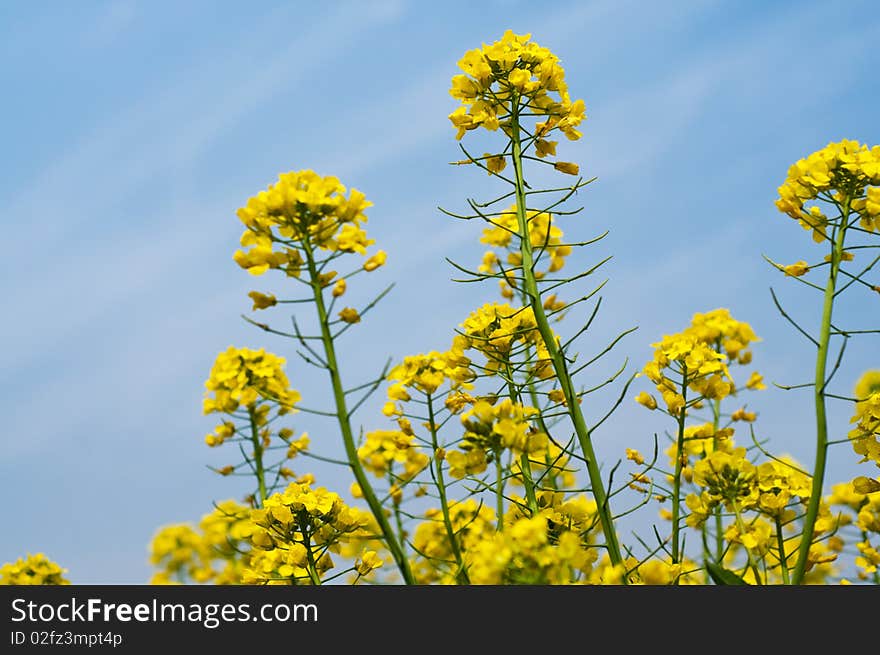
[557, 357]
[344, 419]
[740, 524]
[780, 544]
[819, 399]
[524, 464]
[719, 523]
[310, 556]
[258, 457]
[499, 491]
[679, 465]
[440, 481]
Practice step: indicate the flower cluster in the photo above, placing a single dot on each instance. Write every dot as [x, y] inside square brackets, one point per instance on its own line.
[32, 570]
[727, 478]
[865, 437]
[684, 360]
[296, 530]
[498, 330]
[383, 448]
[471, 523]
[730, 479]
[428, 372]
[503, 426]
[213, 553]
[241, 377]
[512, 74]
[525, 554]
[545, 237]
[839, 172]
[731, 336]
[302, 210]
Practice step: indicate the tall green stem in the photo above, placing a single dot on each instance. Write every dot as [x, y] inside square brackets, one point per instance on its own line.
[258, 458]
[499, 491]
[741, 526]
[557, 357]
[310, 556]
[676, 482]
[819, 399]
[344, 419]
[440, 481]
[783, 558]
[524, 464]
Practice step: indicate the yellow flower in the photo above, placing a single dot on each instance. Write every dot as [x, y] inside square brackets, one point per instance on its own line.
[301, 208]
[635, 456]
[368, 561]
[33, 570]
[544, 148]
[756, 381]
[843, 167]
[262, 300]
[742, 415]
[241, 376]
[797, 269]
[496, 163]
[646, 399]
[375, 261]
[350, 315]
[498, 75]
[567, 167]
[339, 287]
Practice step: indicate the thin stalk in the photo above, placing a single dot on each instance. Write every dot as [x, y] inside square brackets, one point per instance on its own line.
[524, 464]
[258, 458]
[461, 575]
[741, 526]
[780, 544]
[676, 482]
[819, 399]
[719, 524]
[310, 556]
[343, 416]
[557, 357]
[499, 492]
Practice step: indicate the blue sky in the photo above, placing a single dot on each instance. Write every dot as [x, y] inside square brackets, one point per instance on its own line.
[133, 131]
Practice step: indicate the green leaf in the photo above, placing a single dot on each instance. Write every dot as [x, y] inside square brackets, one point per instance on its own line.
[722, 576]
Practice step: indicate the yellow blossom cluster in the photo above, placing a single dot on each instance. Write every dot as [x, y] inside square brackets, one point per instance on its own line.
[562, 511]
[382, 448]
[512, 75]
[524, 553]
[212, 553]
[552, 466]
[497, 329]
[863, 499]
[506, 425]
[661, 572]
[303, 210]
[865, 437]
[546, 241]
[693, 363]
[731, 336]
[36, 569]
[699, 441]
[728, 478]
[241, 377]
[296, 530]
[471, 523]
[845, 171]
[428, 372]
[868, 521]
